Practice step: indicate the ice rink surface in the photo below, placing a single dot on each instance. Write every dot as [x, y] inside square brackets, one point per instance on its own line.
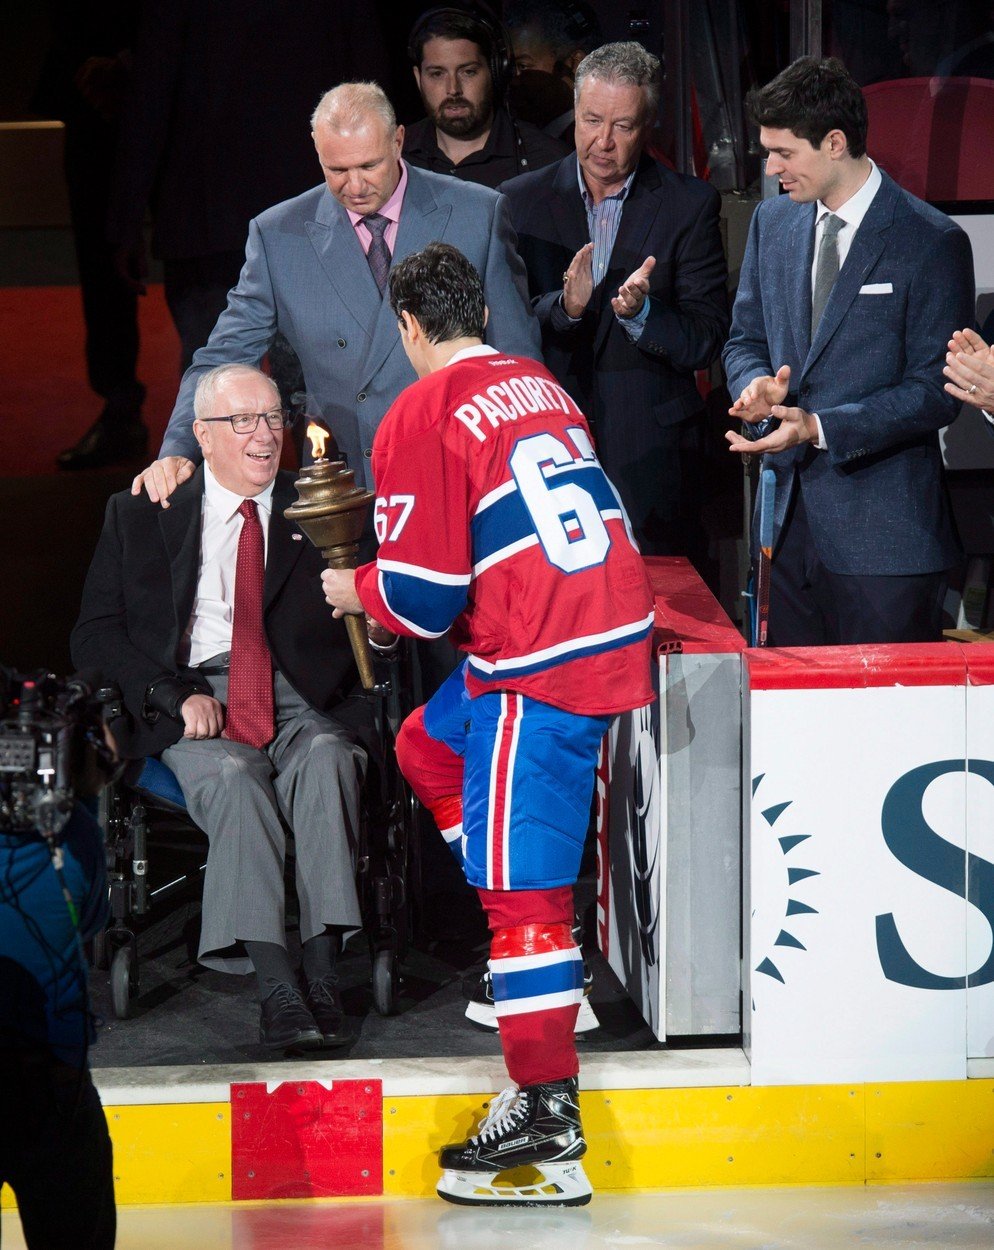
[892, 1217]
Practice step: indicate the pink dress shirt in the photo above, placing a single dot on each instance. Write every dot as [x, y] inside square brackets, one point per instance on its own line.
[391, 210]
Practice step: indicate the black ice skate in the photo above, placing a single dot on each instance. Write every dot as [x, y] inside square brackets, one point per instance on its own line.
[537, 1128]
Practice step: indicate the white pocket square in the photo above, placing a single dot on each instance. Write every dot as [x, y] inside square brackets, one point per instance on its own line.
[877, 288]
[297, 538]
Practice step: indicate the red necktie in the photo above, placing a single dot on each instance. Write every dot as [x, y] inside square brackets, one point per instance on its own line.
[250, 681]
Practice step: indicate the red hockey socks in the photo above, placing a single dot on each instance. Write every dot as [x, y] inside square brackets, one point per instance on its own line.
[537, 972]
[447, 812]
[434, 772]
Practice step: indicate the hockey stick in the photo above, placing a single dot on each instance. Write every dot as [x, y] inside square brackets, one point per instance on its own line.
[767, 491]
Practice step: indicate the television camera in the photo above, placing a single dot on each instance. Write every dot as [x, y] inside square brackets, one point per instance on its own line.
[53, 749]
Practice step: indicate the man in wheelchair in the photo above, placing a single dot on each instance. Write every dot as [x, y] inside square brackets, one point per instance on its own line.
[208, 613]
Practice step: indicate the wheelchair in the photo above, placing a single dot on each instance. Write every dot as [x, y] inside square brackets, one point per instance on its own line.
[146, 812]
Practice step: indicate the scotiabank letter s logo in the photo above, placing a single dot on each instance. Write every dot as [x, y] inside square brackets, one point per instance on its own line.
[913, 841]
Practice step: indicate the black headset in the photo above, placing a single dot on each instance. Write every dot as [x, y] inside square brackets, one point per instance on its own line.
[500, 60]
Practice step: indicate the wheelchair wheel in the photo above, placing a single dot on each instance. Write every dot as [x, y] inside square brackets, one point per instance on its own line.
[385, 981]
[124, 980]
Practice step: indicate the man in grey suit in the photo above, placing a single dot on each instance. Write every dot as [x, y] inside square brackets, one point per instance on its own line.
[847, 291]
[316, 267]
[210, 618]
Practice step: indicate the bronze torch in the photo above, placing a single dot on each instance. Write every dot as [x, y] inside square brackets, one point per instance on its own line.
[331, 510]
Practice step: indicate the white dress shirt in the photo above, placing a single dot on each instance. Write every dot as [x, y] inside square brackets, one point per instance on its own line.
[208, 632]
[852, 213]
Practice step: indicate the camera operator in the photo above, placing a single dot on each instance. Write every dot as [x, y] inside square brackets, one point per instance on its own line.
[55, 1151]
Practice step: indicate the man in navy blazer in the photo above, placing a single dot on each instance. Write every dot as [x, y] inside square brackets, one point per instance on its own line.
[310, 271]
[627, 275]
[848, 288]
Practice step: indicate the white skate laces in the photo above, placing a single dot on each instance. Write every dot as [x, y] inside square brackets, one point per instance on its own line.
[499, 1116]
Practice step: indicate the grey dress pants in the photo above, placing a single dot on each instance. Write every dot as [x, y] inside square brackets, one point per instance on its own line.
[309, 779]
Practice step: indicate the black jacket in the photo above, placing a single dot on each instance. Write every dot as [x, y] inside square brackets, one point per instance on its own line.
[512, 148]
[630, 391]
[217, 123]
[139, 594]
[667, 215]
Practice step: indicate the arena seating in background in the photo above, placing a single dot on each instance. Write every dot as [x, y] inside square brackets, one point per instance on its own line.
[934, 135]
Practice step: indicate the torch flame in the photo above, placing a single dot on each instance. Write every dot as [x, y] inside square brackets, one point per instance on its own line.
[318, 437]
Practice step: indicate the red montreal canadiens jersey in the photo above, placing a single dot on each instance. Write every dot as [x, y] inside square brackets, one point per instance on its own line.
[496, 522]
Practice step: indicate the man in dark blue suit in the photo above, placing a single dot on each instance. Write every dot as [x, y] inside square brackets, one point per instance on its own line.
[848, 288]
[627, 276]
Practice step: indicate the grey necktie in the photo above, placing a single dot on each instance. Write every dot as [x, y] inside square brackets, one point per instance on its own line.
[379, 254]
[827, 268]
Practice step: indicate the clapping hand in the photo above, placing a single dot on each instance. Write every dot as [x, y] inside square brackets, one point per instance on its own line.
[578, 282]
[796, 427]
[758, 398]
[763, 398]
[970, 369]
[634, 290]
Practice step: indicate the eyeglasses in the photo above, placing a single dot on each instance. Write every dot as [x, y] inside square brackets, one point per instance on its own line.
[248, 422]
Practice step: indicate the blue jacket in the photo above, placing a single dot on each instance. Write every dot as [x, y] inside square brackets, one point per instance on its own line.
[875, 500]
[43, 979]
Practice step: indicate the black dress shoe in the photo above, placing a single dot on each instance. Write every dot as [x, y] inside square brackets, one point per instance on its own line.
[105, 443]
[286, 1024]
[325, 1006]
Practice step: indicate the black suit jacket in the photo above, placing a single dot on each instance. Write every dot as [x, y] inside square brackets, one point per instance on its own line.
[139, 595]
[217, 125]
[628, 391]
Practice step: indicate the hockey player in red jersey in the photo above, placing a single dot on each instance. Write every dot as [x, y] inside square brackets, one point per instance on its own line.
[497, 526]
